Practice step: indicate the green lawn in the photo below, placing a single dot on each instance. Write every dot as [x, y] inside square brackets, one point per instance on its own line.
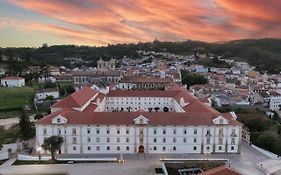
[14, 98]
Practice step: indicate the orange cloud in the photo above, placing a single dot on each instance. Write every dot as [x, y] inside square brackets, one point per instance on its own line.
[100, 22]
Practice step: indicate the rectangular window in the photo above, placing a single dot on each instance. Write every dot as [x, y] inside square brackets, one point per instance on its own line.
[74, 148]
[208, 141]
[164, 148]
[97, 131]
[74, 140]
[89, 139]
[127, 148]
[127, 139]
[184, 131]
[107, 131]
[195, 140]
[98, 148]
[232, 141]
[184, 140]
[232, 148]
[98, 139]
[118, 131]
[155, 140]
[208, 148]
[118, 148]
[164, 140]
[89, 148]
[174, 140]
[175, 131]
[107, 139]
[164, 131]
[118, 139]
[154, 148]
[127, 131]
[194, 148]
[220, 148]
[73, 131]
[174, 148]
[195, 131]
[155, 131]
[220, 141]
[45, 131]
[108, 148]
[88, 131]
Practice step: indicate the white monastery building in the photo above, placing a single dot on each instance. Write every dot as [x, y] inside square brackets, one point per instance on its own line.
[13, 81]
[139, 121]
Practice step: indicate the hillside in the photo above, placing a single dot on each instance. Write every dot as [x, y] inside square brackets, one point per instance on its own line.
[265, 54]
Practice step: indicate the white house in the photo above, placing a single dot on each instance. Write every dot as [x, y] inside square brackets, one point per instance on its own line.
[42, 94]
[122, 121]
[13, 81]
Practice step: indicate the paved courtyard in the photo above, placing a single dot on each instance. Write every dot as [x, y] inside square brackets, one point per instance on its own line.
[247, 163]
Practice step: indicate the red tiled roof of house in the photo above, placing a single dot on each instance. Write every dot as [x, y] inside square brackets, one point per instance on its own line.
[142, 79]
[221, 170]
[77, 99]
[12, 78]
[142, 93]
[126, 118]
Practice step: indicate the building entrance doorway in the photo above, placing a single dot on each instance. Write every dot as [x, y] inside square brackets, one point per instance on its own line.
[141, 149]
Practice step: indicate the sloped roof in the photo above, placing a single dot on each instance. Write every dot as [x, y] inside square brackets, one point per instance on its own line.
[77, 99]
[221, 170]
[12, 78]
[126, 118]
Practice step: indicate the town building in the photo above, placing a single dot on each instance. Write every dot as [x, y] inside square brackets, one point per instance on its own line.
[13, 81]
[143, 82]
[139, 121]
[101, 64]
[100, 78]
[42, 94]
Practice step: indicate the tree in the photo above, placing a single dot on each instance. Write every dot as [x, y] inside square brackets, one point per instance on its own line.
[156, 109]
[49, 85]
[69, 89]
[270, 141]
[190, 79]
[62, 91]
[255, 125]
[52, 144]
[165, 109]
[38, 116]
[50, 97]
[25, 126]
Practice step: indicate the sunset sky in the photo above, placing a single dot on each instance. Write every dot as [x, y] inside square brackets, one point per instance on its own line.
[102, 22]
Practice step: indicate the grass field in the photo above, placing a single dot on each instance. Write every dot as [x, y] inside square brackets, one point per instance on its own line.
[14, 98]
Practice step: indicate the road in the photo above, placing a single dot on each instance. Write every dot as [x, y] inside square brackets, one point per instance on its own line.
[246, 163]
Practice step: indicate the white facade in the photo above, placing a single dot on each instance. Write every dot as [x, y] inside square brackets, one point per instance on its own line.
[20, 82]
[42, 95]
[104, 128]
[94, 139]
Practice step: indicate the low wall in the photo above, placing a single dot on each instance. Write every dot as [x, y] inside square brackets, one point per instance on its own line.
[265, 152]
[45, 158]
[13, 146]
[4, 155]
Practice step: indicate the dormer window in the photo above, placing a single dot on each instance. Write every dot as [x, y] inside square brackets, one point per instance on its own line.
[221, 121]
[58, 120]
[141, 121]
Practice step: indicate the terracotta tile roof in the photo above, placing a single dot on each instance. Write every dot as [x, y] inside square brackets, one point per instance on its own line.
[222, 170]
[91, 107]
[77, 99]
[142, 93]
[12, 78]
[143, 79]
[126, 118]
